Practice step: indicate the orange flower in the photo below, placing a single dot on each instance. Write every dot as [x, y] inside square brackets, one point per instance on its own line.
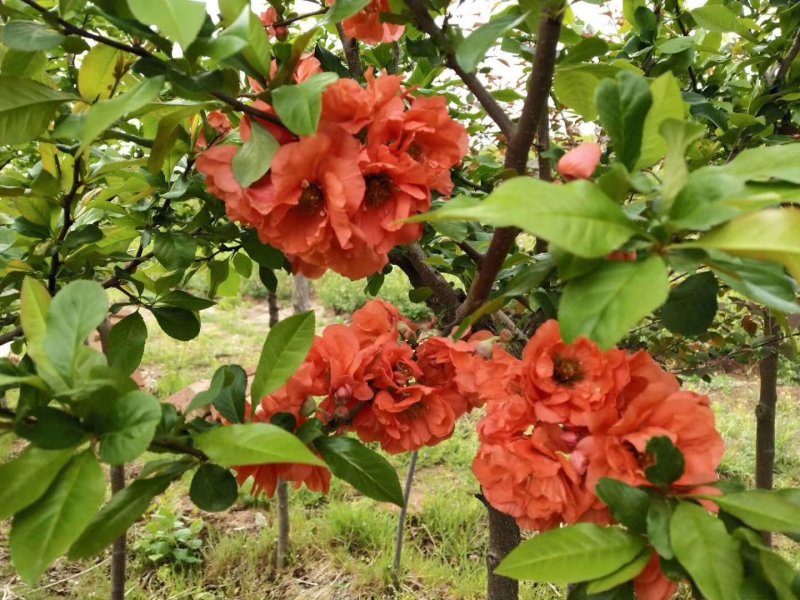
[219, 122]
[532, 479]
[378, 322]
[268, 19]
[366, 26]
[580, 162]
[353, 107]
[407, 419]
[652, 584]
[684, 417]
[576, 383]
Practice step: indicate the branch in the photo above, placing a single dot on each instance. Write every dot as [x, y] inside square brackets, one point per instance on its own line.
[10, 336]
[69, 199]
[519, 146]
[351, 53]
[470, 251]
[70, 29]
[786, 63]
[291, 20]
[426, 24]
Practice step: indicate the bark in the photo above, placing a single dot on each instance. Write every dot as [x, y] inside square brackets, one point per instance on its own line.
[504, 536]
[765, 411]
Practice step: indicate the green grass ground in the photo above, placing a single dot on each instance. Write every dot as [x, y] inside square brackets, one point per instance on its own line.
[343, 543]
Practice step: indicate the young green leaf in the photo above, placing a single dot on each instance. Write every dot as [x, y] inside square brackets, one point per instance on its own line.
[343, 9]
[51, 428]
[299, 106]
[721, 19]
[33, 316]
[768, 162]
[707, 552]
[626, 573]
[606, 304]
[254, 444]
[366, 470]
[474, 47]
[99, 72]
[658, 518]
[75, 312]
[126, 343]
[692, 306]
[119, 513]
[769, 235]
[628, 504]
[763, 282]
[577, 217]
[285, 349]
[572, 554]
[254, 159]
[29, 36]
[26, 108]
[27, 477]
[47, 528]
[623, 104]
[178, 20]
[764, 510]
[667, 104]
[213, 488]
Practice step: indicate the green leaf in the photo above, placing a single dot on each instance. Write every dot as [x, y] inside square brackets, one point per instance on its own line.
[126, 343]
[763, 282]
[75, 312]
[285, 349]
[699, 204]
[175, 250]
[343, 9]
[299, 106]
[213, 488]
[608, 303]
[126, 425]
[33, 316]
[47, 528]
[764, 510]
[669, 463]
[577, 217]
[783, 577]
[768, 162]
[179, 20]
[264, 255]
[243, 265]
[575, 85]
[473, 48]
[624, 574]
[254, 444]
[679, 136]
[571, 554]
[254, 158]
[769, 235]
[26, 108]
[248, 33]
[231, 397]
[178, 323]
[628, 504]
[623, 105]
[169, 127]
[707, 552]
[122, 511]
[30, 36]
[28, 476]
[51, 428]
[658, 519]
[67, 7]
[364, 469]
[720, 19]
[185, 300]
[99, 72]
[692, 306]
[667, 104]
[106, 112]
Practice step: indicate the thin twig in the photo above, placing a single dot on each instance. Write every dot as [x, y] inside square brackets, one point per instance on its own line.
[786, 63]
[290, 20]
[66, 206]
[351, 53]
[75, 576]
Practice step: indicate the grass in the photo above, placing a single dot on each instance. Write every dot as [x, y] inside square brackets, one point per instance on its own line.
[342, 544]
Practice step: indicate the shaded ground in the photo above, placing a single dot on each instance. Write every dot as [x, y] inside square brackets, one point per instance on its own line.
[343, 543]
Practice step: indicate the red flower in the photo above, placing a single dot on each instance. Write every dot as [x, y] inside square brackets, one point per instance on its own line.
[219, 122]
[268, 19]
[576, 383]
[378, 322]
[406, 419]
[580, 162]
[652, 584]
[366, 26]
[532, 479]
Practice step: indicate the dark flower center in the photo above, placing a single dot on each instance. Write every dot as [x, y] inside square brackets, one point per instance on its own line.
[416, 151]
[312, 199]
[379, 189]
[567, 371]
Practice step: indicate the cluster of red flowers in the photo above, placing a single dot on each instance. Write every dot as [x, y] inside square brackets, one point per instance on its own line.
[378, 380]
[572, 415]
[336, 200]
[366, 25]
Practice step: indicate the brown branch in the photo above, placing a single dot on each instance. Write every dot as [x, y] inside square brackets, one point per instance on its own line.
[519, 146]
[66, 206]
[351, 53]
[10, 336]
[470, 251]
[786, 63]
[291, 20]
[425, 23]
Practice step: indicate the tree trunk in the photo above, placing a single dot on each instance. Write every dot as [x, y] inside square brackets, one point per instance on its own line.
[119, 547]
[504, 536]
[301, 298]
[765, 411]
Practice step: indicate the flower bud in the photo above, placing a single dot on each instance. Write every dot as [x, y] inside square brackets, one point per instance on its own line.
[485, 348]
[580, 162]
[506, 335]
[342, 413]
[342, 395]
